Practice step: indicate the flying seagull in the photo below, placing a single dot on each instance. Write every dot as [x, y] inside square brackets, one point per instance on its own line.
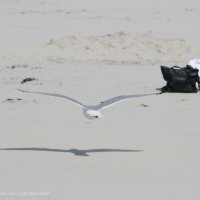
[93, 111]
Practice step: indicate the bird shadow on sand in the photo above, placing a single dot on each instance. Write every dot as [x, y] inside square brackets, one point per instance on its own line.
[76, 152]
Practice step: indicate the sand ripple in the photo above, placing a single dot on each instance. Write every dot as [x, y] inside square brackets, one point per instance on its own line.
[119, 48]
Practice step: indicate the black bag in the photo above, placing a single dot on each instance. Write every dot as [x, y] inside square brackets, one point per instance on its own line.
[180, 79]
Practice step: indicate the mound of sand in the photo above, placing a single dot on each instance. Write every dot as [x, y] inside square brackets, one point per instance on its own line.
[120, 48]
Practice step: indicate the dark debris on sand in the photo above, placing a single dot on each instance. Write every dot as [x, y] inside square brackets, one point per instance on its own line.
[28, 80]
[23, 66]
[18, 66]
[12, 100]
[144, 105]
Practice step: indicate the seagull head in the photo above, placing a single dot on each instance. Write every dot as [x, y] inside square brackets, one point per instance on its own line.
[92, 114]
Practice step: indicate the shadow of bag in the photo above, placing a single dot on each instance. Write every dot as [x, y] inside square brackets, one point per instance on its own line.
[180, 79]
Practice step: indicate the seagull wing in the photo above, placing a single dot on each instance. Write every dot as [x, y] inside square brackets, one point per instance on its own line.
[59, 96]
[118, 99]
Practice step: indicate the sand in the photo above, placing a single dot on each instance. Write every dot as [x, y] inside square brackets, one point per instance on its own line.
[142, 149]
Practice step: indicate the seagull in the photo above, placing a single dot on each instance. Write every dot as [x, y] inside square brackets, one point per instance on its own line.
[93, 111]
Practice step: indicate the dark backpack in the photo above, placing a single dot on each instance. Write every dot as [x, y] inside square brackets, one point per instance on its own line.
[180, 79]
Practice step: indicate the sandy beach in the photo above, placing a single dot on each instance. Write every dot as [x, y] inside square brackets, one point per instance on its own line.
[144, 148]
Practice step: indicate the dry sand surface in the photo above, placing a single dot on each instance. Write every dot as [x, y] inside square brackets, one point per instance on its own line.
[93, 50]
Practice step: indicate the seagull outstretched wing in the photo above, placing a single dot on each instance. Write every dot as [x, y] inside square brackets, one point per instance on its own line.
[59, 96]
[118, 99]
[102, 105]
